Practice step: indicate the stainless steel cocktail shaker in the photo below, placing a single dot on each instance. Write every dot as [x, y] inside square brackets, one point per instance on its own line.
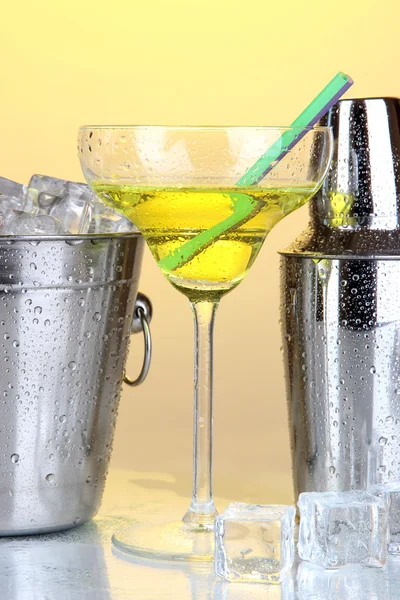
[341, 309]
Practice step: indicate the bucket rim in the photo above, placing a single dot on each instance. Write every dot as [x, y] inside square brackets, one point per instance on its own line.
[70, 237]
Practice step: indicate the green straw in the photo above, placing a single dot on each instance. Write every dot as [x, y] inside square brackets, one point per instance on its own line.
[245, 206]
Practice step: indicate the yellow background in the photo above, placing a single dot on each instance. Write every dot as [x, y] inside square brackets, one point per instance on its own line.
[64, 64]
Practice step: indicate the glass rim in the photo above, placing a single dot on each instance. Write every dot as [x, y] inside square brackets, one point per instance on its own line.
[204, 128]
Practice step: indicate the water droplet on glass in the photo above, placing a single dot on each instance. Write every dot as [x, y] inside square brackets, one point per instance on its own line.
[38, 310]
[72, 365]
[372, 370]
[383, 441]
[14, 458]
[97, 316]
[63, 418]
[332, 470]
[50, 477]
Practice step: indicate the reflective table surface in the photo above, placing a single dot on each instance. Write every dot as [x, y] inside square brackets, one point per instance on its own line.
[82, 564]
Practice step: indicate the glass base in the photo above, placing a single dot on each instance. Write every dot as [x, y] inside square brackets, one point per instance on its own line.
[167, 541]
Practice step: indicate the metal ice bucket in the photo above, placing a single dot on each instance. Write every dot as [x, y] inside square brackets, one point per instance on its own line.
[67, 308]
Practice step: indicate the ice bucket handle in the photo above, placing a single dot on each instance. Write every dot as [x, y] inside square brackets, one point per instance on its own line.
[141, 322]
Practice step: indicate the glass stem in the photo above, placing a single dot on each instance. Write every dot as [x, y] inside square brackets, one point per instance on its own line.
[202, 511]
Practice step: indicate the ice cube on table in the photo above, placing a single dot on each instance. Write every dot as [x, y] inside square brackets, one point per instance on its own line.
[224, 590]
[67, 201]
[392, 490]
[27, 224]
[348, 583]
[342, 528]
[254, 542]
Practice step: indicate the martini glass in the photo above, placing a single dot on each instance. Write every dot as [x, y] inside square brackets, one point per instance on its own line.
[189, 191]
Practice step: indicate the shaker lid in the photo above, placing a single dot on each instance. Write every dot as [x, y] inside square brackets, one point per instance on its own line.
[362, 188]
[357, 209]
